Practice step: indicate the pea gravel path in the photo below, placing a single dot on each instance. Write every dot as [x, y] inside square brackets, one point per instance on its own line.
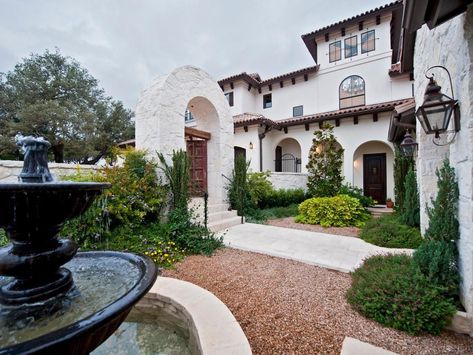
[287, 307]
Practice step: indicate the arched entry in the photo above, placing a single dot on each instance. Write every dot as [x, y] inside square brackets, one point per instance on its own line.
[287, 156]
[160, 121]
[373, 170]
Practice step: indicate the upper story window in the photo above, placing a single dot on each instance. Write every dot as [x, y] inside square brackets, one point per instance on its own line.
[335, 51]
[351, 46]
[267, 101]
[188, 116]
[229, 97]
[297, 111]
[352, 92]
[367, 42]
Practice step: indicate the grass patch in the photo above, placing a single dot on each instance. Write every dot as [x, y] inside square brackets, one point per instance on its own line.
[262, 215]
[387, 231]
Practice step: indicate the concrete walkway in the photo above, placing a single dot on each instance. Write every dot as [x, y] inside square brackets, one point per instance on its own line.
[326, 250]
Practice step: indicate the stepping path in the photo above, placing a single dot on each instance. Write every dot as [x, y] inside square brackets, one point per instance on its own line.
[326, 250]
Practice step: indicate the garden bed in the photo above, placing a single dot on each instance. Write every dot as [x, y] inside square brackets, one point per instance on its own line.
[285, 306]
[289, 222]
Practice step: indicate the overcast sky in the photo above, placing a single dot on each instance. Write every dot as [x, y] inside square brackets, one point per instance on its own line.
[125, 44]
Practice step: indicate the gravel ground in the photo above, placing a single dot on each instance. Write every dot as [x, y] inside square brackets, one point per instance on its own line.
[290, 223]
[287, 307]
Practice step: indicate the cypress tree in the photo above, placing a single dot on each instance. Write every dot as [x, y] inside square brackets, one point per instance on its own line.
[402, 164]
[410, 213]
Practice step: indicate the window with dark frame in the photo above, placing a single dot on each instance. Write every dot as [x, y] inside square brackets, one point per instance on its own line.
[298, 111]
[351, 46]
[188, 116]
[368, 42]
[352, 92]
[229, 97]
[335, 51]
[267, 101]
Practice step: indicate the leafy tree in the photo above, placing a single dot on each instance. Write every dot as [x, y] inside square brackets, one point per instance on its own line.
[402, 164]
[325, 163]
[52, 96]
[410, 213]
[443, 222]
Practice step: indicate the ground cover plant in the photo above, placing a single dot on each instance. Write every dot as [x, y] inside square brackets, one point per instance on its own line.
[261, 216]
[389, 232]
[337, 211]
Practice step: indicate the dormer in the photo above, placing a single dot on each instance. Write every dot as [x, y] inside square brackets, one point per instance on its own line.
[371, 33]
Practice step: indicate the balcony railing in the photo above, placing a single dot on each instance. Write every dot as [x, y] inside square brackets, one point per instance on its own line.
[288, 164]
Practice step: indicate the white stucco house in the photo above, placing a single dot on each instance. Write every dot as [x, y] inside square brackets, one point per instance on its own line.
[355, 84]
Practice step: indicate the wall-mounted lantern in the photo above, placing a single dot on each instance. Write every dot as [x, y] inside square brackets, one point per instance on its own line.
[408, 145]
[436, 111]
[251, 145]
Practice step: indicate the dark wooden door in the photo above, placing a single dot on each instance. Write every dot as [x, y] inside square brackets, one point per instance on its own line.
[374, 176]
[278, 160]
[197, 151]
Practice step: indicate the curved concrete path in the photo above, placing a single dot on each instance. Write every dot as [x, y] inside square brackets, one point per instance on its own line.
[326, 250]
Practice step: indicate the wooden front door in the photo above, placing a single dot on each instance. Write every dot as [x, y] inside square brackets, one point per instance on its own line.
[374, 176]
[197, 151]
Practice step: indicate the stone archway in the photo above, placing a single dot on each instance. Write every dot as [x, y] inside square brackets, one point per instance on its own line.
[159, 123]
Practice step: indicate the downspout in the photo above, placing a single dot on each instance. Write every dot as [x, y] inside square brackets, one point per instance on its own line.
[261, 137]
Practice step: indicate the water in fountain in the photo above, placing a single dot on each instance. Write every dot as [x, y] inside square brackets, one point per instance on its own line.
[49, 299]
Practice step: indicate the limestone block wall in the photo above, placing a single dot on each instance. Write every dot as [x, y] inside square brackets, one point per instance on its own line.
[10, 169]
[450, 45]
[289, 180]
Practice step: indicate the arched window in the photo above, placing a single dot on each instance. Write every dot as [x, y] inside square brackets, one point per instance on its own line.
[352, 92]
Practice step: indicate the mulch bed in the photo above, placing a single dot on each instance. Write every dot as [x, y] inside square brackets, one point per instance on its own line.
[290, 223]
[287, 307]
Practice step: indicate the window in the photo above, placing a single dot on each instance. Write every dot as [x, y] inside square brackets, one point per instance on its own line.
[351, 46]
[267, 101]
[188, 116]
[352, 92]
[335, 51]
[367, 42]
[297, 111]
[229, 97]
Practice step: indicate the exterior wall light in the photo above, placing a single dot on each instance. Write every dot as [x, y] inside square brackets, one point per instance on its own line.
[251, 145]
[408, 145]
[435, 112]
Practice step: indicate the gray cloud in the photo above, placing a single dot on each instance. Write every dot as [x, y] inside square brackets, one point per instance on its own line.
[125, 44]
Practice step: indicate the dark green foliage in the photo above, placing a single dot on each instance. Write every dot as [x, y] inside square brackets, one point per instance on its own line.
[402, 164]
[410, 213]
[52, 96]
[389, 232]
[392, 291]
[325, 164]
[282, 198]
[443, 222]
[259, 187]
[238, 192]
[357, 193]
[178, 177]
[3, 238]
[255, 215]
[437, 260]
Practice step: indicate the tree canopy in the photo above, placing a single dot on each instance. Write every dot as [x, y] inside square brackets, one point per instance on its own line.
[53, 96]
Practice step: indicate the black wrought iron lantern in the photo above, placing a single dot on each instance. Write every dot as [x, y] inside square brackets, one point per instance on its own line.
[436, 111]
[408, 145]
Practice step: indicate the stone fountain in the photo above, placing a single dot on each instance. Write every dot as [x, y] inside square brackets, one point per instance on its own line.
[53, 299]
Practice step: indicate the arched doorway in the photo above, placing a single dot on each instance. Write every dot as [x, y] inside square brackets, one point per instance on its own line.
[160, 122]
[287, 156]
[373, 170]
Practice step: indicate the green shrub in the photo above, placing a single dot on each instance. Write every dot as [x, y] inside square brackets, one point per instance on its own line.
[437, 260]
[387, 231]
[282, 198]
[410, 213]
[390, 290]
[238, 192]
[337, 211]
[259, 187]
[3, 238]
[402, 163]
[255, 215]
[357, 193]
[178, 177]
[443, 222]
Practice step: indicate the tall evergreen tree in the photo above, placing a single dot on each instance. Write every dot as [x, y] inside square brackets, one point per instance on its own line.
[325, 163]
[402, 164]
[410, 213]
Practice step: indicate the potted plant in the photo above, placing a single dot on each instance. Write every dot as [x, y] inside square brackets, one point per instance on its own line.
[389, 203]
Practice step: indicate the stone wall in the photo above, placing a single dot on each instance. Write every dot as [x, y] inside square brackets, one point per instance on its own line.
[10, 169]
[450, 45]
[288, 180]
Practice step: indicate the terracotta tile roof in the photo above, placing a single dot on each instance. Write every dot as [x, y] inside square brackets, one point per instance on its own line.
[354, 19]
[247, 119]
[348, 112]
[255, 80]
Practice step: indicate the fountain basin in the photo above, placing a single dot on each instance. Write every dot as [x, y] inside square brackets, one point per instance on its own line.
[107, 285]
